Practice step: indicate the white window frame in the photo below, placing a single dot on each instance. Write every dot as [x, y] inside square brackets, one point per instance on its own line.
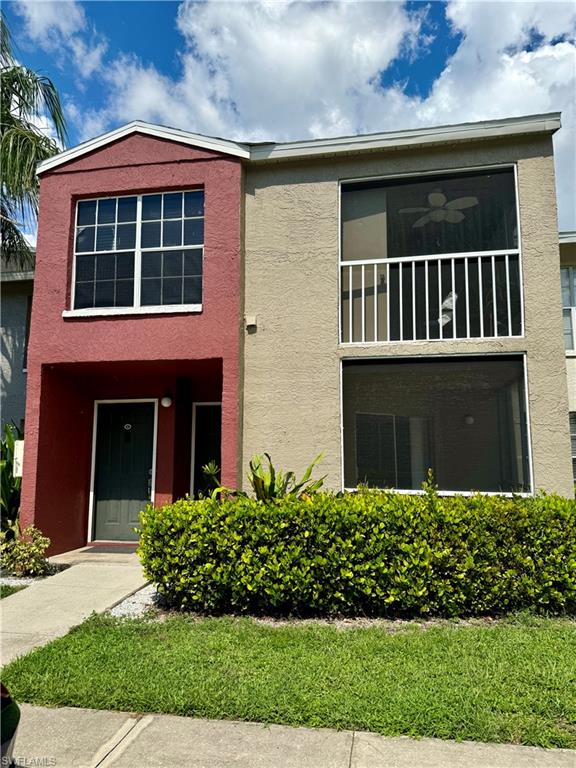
[424, 175]
[571, 351]
[136, 308]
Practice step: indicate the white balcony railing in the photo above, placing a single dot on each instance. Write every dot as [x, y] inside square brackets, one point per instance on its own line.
[428, 298]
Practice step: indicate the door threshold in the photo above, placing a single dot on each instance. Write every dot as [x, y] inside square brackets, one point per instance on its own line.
[111, 546]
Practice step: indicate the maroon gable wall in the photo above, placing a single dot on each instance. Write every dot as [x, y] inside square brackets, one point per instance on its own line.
[59, 407]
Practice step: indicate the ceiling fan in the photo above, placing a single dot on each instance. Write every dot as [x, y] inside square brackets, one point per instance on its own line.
[440, 209]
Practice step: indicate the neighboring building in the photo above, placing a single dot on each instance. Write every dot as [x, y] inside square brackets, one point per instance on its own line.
[568, 279]
[391, 300]
[16, 302]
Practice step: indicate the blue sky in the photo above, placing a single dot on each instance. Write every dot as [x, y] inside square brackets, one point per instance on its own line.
[284, 70]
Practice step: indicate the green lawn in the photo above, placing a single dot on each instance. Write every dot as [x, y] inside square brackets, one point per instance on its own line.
[513, 681]
[6, 590]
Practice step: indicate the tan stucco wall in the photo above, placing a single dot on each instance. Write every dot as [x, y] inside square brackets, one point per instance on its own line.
[292, 361]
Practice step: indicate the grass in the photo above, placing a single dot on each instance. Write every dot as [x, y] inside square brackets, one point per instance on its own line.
[6, 590]
[512, 681]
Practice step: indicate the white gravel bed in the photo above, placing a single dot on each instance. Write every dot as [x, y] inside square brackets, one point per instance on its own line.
[20, 581]
[138, 604]
[25, 581]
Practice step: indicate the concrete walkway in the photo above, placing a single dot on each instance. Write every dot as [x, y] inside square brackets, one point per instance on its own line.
[49, 608]
[85, 738]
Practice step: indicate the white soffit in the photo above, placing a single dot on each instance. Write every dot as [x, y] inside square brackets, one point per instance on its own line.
[262, 152]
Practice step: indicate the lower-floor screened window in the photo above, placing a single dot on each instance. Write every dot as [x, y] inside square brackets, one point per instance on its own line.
[465, 419]
[573, 443]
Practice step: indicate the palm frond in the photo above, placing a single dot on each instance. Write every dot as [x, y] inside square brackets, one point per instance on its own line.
[26, 98]
[22, 147]
[27, 94]
[15, 248]
[6, 55]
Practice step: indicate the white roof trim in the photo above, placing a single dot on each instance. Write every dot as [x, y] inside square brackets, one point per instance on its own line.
[414, 137]
[490, 129]
[567, 237]
[159, 131]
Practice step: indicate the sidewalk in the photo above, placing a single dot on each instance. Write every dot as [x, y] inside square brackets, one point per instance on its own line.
[85, 738]
[49, 608]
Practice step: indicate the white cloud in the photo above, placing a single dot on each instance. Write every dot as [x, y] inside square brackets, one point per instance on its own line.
[47, 20]
[282, 70]
[59, 27]
[264, 70]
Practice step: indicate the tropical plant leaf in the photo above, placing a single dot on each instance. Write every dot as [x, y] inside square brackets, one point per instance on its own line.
[27, 100]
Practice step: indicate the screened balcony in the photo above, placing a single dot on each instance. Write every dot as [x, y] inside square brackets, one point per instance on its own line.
[430, 260]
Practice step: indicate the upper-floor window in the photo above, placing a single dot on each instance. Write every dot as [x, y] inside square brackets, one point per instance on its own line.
[568, 278]
[139, 251]
[430, 258]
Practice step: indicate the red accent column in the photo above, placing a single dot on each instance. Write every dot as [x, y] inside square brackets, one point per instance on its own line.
[30, 446]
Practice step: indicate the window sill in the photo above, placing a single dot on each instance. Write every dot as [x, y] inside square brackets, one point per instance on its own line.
[169, 309]
[571, 353]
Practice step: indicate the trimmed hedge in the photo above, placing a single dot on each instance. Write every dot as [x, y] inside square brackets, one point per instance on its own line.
[370, 553]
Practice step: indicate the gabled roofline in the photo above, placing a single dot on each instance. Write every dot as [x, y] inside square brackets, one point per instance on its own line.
[158, 131]
[269, 151]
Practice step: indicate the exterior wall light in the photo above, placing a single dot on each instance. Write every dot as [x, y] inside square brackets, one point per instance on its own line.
[166, 401]
[468, 420]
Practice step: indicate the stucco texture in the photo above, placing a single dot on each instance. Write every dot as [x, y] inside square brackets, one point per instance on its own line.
[292, 360]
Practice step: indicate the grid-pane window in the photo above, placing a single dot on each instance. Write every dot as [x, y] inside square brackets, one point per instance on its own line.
[568, 281]
[153, 243]
[172, 277]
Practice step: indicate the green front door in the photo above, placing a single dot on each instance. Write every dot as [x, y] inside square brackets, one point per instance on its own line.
[123, 471]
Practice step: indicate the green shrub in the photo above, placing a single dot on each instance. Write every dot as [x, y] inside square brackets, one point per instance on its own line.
[368, 553]
[9, 485]
[26, 554]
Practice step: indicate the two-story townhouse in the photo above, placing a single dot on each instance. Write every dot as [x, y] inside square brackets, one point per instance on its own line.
[390, 300]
